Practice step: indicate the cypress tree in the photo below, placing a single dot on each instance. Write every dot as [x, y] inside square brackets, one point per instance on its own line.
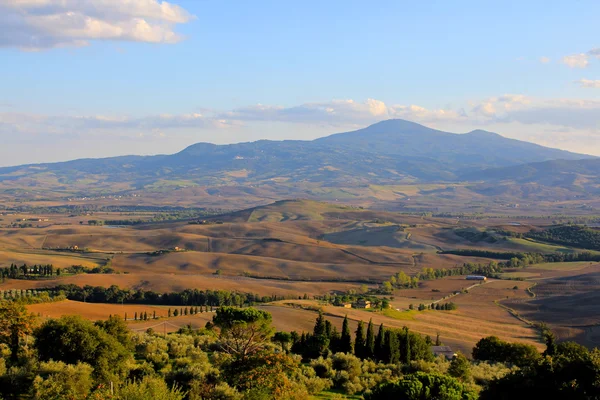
[319, 342]
[320, 326]
[335, 341]
[346, 338]
[328, 328]
[135, 316]
[391, 347]
[125, 316]
[359, 343]
[406, 355]
[170, 313]
[370, 342]
[379, 344]
[153, 314]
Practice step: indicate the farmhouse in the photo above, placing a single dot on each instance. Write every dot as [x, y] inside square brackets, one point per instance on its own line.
[476, 278]
[362, 303]
[347, 305]
[445, 351]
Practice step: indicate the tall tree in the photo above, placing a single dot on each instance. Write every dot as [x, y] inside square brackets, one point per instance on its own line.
[320, 328]
[380, 344]
[15, 324]
[370, 342]
[359, 344]
[243, 331]
[346, 338]
[406, 356]
[392, 349]
[72, 339]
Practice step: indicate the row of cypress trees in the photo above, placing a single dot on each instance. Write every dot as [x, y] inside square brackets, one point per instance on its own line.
[387, 346]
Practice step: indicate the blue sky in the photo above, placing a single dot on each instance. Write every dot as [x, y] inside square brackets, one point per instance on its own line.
[106, 77]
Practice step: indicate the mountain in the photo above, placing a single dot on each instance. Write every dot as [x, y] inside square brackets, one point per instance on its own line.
[576, 176]
[390, 152]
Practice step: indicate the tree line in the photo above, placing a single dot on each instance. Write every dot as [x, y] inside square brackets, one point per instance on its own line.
[239, 356]
[569, 235]
[188, 297]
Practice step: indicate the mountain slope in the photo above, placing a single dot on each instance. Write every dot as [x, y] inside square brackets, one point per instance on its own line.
[573, 175]
[477, 148]
[387, 153]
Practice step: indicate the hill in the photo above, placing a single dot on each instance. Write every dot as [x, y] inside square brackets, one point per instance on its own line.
[581, 177]
[370, 165]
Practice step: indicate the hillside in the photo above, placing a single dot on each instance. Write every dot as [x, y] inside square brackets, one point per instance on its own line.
[383, 152]
[389, 162]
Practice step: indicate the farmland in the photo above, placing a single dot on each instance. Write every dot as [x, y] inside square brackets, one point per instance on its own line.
[300, 248]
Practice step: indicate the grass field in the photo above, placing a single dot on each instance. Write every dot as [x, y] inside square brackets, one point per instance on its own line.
[565, 266]
[518, 274]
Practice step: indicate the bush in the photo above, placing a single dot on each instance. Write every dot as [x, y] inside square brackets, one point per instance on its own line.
[149, 388]
[57, 380]
[421, 386]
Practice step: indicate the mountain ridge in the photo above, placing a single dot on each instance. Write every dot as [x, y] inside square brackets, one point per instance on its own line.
[391, 152]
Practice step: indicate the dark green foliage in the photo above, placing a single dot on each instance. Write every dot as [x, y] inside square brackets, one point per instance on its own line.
[72, 339]
[370, 341]
[569, 235]
[188, 297]
[346, 338]
[380, 343]
[572, 373]
[117, 328]
[422, 386]
[392, 348]
[495, 350]
[360, 341]
[460, 367]
[284, 339]
[243, 331]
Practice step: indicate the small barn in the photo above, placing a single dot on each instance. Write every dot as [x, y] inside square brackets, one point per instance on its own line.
[476, 278]
[362, 303]
[444, 351]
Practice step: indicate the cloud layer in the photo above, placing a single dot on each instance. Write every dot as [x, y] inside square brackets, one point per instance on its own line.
[43, 24]
[571, 113]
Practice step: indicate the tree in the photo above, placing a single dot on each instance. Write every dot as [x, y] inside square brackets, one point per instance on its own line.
[423, 386]
[117, 328]
[283, 338]
[149, 388]
[57, 380]
[243, 331]
[570, 375]
[380, 344]
[370, 341]
[392, 350]
[359, 343]
[15, 324]
[346, 338]
[460, 367]
[72, 340]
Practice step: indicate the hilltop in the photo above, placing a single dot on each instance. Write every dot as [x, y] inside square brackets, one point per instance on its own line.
[365, 166]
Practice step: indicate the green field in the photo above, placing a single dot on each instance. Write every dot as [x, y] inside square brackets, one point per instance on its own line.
[564, 266]
[515, 275]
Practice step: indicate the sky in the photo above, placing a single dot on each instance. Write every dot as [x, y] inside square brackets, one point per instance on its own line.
[99, 78]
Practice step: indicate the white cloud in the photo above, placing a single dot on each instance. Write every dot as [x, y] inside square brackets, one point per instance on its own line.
[340, 112]
[589, 83]
[544, 60]
[576, 60]
[43, 24]
[595, 52]
[515, 115]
